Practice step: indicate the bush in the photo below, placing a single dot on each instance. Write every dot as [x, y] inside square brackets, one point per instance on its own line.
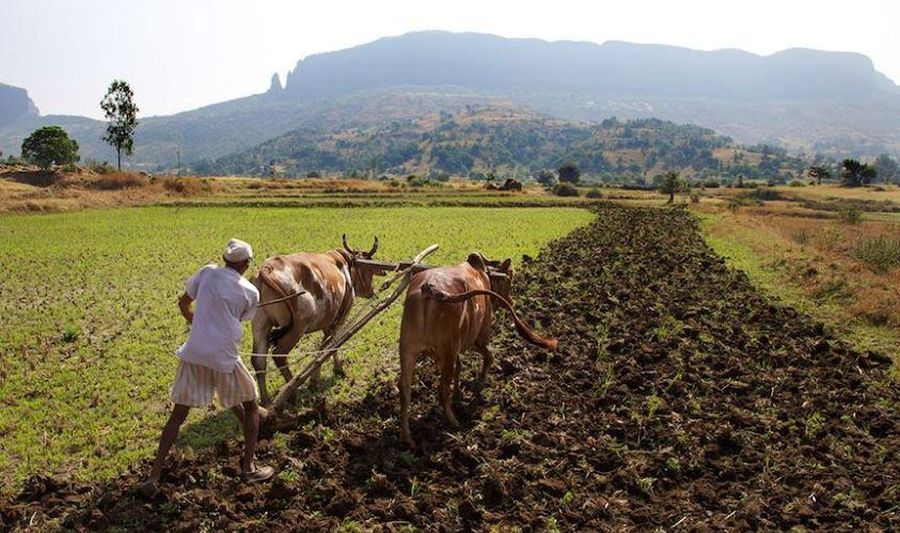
[184, 186]
[796, 183]
[711, 184]
[565, 189]
[762, 194]
[879, 253]
[415, 181]
[569, 173]
[850, 215]
[120, 180]
[594, 193]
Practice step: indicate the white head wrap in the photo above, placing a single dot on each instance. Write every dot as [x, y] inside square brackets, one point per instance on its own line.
[236, 251]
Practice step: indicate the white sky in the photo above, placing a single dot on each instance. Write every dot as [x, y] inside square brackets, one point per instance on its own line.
[182, 54]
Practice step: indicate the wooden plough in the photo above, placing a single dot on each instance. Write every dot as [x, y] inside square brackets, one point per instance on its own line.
[403, 272]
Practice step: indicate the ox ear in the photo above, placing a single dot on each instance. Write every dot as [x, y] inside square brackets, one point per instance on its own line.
[504, 267]
[477, 261]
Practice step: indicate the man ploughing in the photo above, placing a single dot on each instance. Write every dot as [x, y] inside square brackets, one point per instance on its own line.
[209, 361]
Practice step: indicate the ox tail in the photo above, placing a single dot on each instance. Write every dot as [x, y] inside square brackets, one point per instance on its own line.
[265, 275]
[527, 333]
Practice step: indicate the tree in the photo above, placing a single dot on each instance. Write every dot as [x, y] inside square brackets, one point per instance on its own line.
[856, 173]
[50, 145]
[569, 173]
[121, 112]
[818, 173]
[670, 184]
[887, 167]
[546, 178]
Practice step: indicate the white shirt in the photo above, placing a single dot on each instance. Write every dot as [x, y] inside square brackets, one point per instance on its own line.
[222, 299]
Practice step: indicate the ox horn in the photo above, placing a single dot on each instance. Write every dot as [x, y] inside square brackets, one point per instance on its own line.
[347, 246]
[374, 247]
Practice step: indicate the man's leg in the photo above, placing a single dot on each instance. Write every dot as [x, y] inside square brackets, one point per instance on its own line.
[166, 440]
[251, 433]
[237, 389]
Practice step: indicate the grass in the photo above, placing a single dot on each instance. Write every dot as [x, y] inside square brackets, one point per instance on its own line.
[91, 322]
[772, 260]
[880, 253]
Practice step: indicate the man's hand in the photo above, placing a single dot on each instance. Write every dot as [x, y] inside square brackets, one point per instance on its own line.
[184, 303]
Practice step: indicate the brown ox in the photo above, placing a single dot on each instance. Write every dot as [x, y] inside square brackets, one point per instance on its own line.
[448, 311]
[325, 285]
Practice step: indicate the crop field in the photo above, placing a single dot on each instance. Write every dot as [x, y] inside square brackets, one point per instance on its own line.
[680, 397]
[90, 317]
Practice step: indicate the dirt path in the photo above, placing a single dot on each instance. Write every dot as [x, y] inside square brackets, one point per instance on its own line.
[679, 396]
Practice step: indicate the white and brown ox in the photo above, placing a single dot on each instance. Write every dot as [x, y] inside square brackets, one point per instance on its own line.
[448, 311]
[325, 285]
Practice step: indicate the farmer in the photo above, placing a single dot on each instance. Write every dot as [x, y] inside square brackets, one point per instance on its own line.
[209, 359]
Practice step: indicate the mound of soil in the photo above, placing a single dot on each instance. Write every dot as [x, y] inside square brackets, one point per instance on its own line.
[679, 397]
[37, 178]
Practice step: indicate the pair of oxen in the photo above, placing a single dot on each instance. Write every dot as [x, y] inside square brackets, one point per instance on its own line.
[447, 311]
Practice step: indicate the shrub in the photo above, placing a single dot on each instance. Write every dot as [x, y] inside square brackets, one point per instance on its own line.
[796, 183]
[762, 194]
[97, 167]
[415, 181]
[546, 178]
[594, 193]
[569, 173]
[850, 215]
[184, 186]
[879, 253]
[711, 184]
[120, 180]
[565, 189]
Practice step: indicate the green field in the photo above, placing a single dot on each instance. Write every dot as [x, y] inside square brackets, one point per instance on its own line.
[90, 320]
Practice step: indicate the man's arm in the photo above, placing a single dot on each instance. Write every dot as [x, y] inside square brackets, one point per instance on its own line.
[184, 303]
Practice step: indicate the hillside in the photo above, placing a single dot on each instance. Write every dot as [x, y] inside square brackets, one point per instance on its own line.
[505, 139]
[15, 104]
[833, 103]
[825, 101]
[220, 129]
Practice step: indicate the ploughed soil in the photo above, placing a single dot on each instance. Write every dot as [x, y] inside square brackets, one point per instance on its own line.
[679, 398]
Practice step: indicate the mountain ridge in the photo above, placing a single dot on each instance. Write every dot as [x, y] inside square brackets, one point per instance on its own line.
[850, 109]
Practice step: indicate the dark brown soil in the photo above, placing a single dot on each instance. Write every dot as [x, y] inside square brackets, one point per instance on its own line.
[679, 397]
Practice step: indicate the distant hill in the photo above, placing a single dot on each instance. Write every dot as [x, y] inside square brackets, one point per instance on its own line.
[826, 101]
[508, 140]
[829, 102]
[15, 104]
[228, 127]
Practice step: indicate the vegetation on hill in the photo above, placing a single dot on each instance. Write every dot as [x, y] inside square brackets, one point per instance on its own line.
[485, 140]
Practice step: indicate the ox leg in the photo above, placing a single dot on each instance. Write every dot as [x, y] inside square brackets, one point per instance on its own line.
[281, 351]
[487, 361]
[407, 370]
[260, 346]
[457, 395]
[448, 360]
[336, 361]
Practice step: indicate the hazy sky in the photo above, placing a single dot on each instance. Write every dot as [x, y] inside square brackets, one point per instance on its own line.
[182, 54]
